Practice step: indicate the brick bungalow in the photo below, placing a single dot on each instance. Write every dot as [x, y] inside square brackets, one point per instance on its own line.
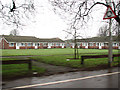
[29, 42]
[52, 42]
[95, 43]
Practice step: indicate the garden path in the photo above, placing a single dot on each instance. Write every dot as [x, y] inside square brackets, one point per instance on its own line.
[52, 69]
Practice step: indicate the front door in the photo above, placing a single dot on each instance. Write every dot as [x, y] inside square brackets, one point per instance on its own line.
[100, 47]
[17, 46]
[35, 47]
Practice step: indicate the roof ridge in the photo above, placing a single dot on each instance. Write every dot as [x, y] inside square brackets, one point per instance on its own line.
[17, 36]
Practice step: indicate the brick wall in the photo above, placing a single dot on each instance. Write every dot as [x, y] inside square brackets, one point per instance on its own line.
[4, 44]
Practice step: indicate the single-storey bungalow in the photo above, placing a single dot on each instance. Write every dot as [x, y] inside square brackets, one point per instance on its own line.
[95, 43]
[29, 42]
[52, 42]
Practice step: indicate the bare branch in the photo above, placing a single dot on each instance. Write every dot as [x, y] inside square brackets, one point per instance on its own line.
[17, 13]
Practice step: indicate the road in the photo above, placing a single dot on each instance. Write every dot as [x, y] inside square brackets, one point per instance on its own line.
[108, 78]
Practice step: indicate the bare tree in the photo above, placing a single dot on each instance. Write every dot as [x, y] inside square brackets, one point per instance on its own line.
[75, 36]
[15, 12]
[14, 32]
[116, 29]
[103, 31]
[80, 10]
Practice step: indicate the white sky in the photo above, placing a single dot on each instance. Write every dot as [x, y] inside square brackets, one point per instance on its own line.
[47, 24]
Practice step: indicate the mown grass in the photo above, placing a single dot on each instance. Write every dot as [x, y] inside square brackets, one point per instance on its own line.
[62, 61]
[8, 59]
[14, 52]
[18, 70]
[52, 56]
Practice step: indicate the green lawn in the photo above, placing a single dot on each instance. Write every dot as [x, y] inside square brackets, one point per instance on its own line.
[18, 70]
[55, 57]
[15, 52]
[62, 61]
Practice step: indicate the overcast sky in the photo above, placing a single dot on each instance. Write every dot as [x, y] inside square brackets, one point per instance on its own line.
[47, 24]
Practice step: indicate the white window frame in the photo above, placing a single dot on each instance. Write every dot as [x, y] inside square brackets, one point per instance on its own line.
[102, 44]
[22, 44]
[45, 44]
[57, 44]
[114, 44]
[34, 44]
[82, 44]
[90, 44]
[86, 44]
[97, 44]
[106, 44]
[53, 44]
[29, 44]
[11, 44]
[61, 44]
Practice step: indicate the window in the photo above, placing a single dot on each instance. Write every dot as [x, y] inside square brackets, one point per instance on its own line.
[79, 44]
[114, 44]
[57, 44]
[97, 44]
[52, 44]
[117, 44]
[105, 44]
[71, 44]
[22, 44]
[32, 44]
[28, 44]
[63, 44]
[45, 44]
[38, 44]
[82, 44]
[11, 44]
[90, 44]
[102, 44]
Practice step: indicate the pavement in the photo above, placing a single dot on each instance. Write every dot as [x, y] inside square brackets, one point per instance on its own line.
[107, 78]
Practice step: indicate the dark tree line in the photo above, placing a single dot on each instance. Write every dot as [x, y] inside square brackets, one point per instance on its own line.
[104, 30]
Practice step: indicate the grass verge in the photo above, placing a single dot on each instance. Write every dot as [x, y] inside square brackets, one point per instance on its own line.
[62, 61]
[13, 71]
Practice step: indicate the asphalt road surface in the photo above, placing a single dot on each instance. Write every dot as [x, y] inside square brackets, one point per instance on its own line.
[108, 78]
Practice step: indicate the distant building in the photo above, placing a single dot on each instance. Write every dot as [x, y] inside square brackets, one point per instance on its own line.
[95, 43]
[29, 42]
